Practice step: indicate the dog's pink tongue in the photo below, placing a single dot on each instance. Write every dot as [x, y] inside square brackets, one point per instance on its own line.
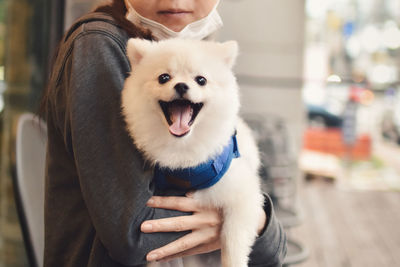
[180, 117]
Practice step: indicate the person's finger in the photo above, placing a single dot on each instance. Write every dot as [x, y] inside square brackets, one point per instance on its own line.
[206, 248]
[183, 223]
[182, 244]
[172, 224]
[185, 204]
[190, 194]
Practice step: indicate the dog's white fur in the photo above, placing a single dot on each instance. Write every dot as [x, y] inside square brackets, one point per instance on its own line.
[238, 193]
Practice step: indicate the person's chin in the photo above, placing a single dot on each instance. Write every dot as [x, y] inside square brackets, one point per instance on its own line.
[175, 22]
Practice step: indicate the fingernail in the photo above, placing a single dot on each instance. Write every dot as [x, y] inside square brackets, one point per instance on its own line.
[147, 227]
[152, 257]
[150, 201]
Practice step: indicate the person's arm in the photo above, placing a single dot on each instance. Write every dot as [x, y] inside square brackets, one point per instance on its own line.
[270, 248]
[111, 170]
[114, 185]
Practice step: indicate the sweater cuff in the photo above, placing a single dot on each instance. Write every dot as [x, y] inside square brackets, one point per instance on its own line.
[269, 249]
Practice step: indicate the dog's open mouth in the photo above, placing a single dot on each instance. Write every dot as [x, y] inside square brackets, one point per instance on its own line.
[180, 115]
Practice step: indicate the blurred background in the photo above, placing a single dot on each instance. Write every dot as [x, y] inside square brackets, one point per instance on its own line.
[320, 88]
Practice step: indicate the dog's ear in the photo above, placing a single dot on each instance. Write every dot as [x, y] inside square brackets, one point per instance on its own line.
[229, 51]
[136, 49]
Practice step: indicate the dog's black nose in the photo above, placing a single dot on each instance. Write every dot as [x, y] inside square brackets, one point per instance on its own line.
[181, 88]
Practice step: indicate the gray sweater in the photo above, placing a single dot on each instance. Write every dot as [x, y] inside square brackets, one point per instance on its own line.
[97, 184]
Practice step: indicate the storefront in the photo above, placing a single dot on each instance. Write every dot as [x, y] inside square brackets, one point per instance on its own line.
[352, 93]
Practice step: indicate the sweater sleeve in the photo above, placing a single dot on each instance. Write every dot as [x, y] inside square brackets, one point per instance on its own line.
[113, 180]
[269, 249]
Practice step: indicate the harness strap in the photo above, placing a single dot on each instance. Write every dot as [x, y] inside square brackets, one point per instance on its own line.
[198, 177]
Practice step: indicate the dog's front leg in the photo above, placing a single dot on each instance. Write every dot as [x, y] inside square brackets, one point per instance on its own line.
[240, 230]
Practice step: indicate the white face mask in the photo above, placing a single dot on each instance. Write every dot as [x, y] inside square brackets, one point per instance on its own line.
[196, 30]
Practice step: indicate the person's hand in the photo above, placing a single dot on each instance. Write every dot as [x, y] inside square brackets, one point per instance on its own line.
[205, 226]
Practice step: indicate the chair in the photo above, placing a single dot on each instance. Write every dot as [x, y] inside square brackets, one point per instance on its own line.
[29, 183]
[278, 174]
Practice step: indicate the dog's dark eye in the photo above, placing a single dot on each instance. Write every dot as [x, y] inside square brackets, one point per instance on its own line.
[201, 80]
[164, 78]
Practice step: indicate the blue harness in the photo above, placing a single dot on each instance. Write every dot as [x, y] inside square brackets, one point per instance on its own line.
[201, 176]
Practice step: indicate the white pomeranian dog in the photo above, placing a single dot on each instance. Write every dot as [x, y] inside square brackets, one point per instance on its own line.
[181, 104]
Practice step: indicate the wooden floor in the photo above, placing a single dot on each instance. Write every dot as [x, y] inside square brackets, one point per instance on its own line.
[348, 228]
